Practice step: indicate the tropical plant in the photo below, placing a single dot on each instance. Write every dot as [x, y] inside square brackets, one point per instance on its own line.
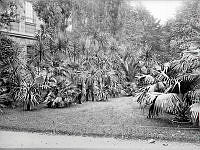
[107, 39]
[62, 97]
[182, 78]
[63, 90]
[10, 70]
[29, 95]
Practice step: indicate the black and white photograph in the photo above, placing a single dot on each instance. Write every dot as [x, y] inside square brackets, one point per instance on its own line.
[100, 74]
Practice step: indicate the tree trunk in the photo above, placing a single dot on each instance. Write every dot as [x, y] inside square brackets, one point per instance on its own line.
[28, 107]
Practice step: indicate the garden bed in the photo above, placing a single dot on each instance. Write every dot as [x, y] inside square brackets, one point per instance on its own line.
[120, 117]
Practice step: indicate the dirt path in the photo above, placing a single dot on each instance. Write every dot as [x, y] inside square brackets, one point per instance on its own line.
[10, 139]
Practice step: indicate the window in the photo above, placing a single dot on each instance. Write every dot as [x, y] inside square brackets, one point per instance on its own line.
[30, 28]
[29, 48]
[29, 12]
[14, 26]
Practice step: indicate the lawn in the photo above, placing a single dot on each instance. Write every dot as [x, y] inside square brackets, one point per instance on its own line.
[119, 117]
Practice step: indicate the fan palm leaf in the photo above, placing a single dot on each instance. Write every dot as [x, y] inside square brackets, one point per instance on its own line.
[166, 103]
[29, 95]
[184, 65]
[160, 102]
[147, 79]
[129, 66]
[156, 87]
[194, 95]
[162, 76]
[189, 82]
[144, 98]
[195, 113]
[188, 77]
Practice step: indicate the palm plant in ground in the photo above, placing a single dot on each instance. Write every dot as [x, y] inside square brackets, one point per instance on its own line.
[10, 67]
[129, 65]
[181, 77]
[62, 87]
[29, 95]
[18, 79]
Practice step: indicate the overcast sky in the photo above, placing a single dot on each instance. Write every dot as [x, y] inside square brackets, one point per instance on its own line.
[161, 9]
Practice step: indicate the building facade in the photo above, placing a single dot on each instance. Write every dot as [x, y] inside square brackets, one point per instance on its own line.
[24, 29]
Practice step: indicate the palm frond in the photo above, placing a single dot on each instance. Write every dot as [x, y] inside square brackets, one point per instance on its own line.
[188, 77]
[195, 113]
[146, 79]
[162, 76]
[194, 96]
[184, 65]
[156, 87]
[166, 103]
[189, 82]
[29, 95]
[145, 99]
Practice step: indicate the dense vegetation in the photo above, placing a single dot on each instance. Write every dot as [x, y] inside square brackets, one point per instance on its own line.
[179, 79]
[93, 50]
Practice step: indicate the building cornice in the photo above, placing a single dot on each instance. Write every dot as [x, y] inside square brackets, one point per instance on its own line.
[19, 35]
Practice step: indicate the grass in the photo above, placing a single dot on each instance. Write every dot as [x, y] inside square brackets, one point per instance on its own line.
[120, 117]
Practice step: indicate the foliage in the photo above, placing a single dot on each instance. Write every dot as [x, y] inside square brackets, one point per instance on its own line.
[141, 34]
[180, 77]
[63, 98]
[18, 79]
[195, 112]
[182, 33]
[10, 67]
[29, 95]
[108, 42]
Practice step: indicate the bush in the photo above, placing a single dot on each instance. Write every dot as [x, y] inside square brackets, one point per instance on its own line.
[9, 70]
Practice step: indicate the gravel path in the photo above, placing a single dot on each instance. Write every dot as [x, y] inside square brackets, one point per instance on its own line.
[11, 139]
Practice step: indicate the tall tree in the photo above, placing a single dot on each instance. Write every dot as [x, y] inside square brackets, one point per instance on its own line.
[183, 30]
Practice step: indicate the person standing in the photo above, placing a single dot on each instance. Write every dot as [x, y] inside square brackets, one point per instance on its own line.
[90, 86]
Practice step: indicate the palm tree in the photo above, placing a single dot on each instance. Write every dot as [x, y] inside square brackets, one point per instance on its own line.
[40, 53]
[182, 78]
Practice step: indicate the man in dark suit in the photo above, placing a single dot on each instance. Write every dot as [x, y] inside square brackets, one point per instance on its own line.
[90, 86]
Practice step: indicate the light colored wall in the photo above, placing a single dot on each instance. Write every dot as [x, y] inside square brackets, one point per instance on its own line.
[22, 28]
[23, 32]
